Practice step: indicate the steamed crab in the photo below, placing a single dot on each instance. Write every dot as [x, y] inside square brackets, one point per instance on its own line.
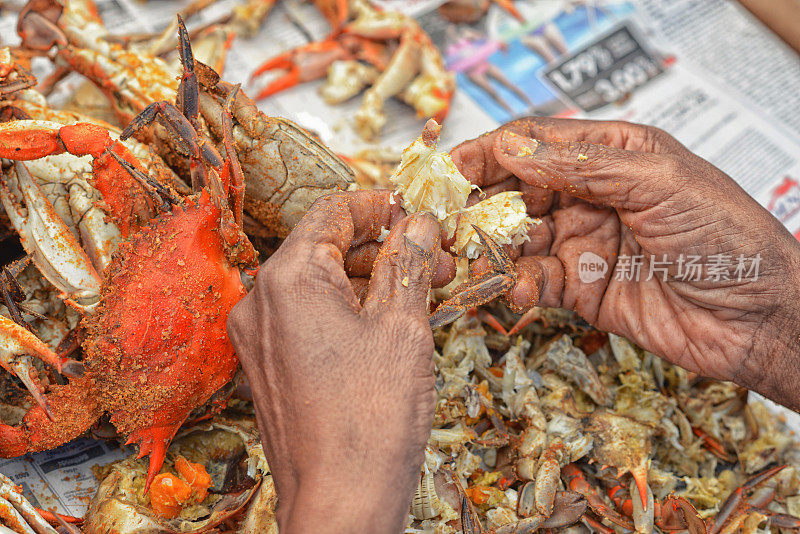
[156, 346]
[222, 457]
[384, 50]
[285, 168]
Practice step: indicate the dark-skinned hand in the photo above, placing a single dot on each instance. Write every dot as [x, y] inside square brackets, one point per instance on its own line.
[344, 390]
[618, 190]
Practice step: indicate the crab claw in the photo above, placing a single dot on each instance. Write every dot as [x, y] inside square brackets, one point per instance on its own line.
[576, 481]
[640, 477]
[303, 64]
[678, 514]
[56, 252]
[527, 318]
[489, 319]
[481, 290]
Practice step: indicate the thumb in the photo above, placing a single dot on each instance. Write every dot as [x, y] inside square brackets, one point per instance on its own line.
[401, 277]
[599, 174]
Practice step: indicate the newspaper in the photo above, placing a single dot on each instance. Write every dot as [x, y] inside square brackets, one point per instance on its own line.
[705, 71]
[61, 480]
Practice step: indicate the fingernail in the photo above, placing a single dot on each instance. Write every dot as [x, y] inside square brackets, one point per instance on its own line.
[423, 231]
[518, 146]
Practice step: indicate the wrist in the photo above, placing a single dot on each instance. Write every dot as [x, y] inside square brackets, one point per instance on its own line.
[772, 367]
[346, 502]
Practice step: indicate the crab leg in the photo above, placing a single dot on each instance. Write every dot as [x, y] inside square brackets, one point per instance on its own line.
[482, 290]
[735, 499]
[56, 252]
[10, 515]
[576, 481]
[304, 64]
[12, 292]
[188, 89]
[13, 504]
[596, 526]
[402, 69]
[335, 11]
[99, 235]
[181, 122]
[8, 64]
[17, 345]
[527, 318]
[34, 139]
[714, 446]
[235, 180]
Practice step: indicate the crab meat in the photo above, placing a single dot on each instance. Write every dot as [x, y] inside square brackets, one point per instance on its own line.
[347, 78]
[502, 216]
[428, 180]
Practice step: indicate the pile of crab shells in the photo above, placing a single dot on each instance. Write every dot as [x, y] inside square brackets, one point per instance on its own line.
[548, 429]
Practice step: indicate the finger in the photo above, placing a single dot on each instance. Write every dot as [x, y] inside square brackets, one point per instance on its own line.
[630, 180]
[360, 260]
[538, 201]
[310, 263]
[476, 159]
[404, 268]
[540, 282]
[346, 219]
[540, 238]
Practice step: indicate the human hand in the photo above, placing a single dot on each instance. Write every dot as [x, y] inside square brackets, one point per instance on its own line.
[344, 391]
[621, 190]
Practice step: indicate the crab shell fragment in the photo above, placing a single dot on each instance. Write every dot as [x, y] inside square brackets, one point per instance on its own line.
[428, 181]
[502, 216]
[230, 449]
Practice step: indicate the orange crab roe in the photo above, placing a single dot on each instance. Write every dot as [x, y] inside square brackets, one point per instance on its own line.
[169, 493]
[195, 475]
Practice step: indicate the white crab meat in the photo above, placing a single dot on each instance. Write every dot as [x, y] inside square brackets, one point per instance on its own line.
[502, 216]
[346, 79]
[428, 180]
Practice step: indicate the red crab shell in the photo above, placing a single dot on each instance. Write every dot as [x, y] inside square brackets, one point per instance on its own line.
[157, 347]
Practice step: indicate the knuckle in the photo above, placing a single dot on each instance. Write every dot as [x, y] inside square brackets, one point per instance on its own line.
[628, 135]
[657, 139]
[330, 198]
[575, 149]
[673, 168]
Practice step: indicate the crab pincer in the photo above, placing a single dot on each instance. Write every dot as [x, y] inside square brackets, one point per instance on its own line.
[181, 120]
[482, 289]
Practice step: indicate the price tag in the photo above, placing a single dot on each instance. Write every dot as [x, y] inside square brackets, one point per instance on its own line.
[604, 71]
